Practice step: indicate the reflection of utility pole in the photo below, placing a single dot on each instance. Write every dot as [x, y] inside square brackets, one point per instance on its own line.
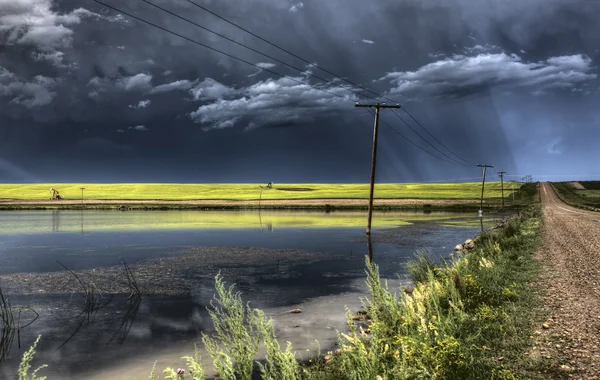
[482, 186]
[501, 174]
[56, 221]
[377, 106]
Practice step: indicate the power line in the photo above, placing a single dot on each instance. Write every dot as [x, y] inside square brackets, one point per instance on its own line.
[410, 141]
[218, 51]
[269, 70]
[250, 48]
[438, 141]
[287, 51]
[333, 74]
[430, 144]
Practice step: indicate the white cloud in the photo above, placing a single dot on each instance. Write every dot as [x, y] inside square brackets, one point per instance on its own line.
[135, 83]
[478, 49]
[177, 85]
[120, 131]
[139, 82]
[554, 147]
[31, 94]
[296, 6]
[139, 128]
[272, 102]
[210, 89]
[36, 22]
[461, 75]
[368, 41]
[262, 66]
[54, 57]
[265, 65]
[167, 72]
[141, 104]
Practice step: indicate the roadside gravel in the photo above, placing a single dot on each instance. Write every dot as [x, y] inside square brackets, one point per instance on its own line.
[570, 256]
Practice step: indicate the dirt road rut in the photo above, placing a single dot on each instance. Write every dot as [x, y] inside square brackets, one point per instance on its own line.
[571, 257]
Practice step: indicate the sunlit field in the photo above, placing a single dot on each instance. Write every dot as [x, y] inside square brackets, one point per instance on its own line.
[183, 192]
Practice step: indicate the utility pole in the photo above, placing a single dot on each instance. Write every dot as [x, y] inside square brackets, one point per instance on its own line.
[82, 188]
[377, 106]
[482, 186]
[501, 174]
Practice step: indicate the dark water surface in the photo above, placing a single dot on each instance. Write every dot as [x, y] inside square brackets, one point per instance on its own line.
[122, 330]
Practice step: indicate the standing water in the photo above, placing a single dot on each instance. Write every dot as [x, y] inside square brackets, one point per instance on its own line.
[53, 263]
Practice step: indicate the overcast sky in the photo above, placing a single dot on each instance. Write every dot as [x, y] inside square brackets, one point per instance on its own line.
[90, 95]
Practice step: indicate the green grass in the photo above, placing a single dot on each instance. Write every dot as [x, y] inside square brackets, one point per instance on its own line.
[467, 318]
[182, 192]
[470, 317]
[589, 193]
[586, 199]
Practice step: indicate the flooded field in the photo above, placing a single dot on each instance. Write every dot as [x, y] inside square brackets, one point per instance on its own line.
[279, 260]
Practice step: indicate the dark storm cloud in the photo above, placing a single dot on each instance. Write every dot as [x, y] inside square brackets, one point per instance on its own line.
[70, 67]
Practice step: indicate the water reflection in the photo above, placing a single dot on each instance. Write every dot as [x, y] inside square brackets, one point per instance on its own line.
[31, 222]
[55, 221]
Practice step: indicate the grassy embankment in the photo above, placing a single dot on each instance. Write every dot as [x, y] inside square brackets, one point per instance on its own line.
[588, 199]
[471, 317]
[237, 196]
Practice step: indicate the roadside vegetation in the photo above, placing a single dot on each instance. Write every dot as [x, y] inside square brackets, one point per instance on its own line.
[588, 198]
[182, 192]
[468, 317]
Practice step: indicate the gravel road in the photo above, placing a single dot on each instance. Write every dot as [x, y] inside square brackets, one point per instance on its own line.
[571, 257]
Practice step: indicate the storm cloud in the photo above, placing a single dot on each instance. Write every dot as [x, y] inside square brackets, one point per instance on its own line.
[512, 83]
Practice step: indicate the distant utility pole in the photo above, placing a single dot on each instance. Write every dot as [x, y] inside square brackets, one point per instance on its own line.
[82, 188]
[501, 174]
[377, 106]
[482, 186]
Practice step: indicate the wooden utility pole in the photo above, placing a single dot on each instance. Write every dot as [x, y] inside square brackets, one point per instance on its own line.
[501, 174]
[82, 188]
[482, 186]
[377, 106]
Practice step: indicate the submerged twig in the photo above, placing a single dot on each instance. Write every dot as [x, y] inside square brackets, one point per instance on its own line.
[9, 327]
[129, 319]
[131, 281]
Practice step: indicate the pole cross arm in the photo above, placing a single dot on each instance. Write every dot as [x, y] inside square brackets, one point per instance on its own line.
[378, 105]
